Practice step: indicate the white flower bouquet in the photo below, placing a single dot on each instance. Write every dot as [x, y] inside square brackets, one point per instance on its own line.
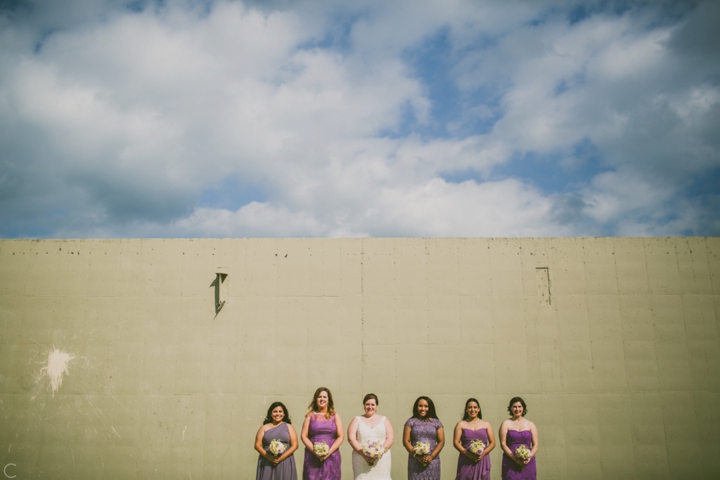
[373, 450]
[477, 447]
[321, 448]
[522, 452]
[277, 447]
[421, 448]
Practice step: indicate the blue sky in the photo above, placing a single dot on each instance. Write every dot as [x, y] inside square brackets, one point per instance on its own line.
[215, 118]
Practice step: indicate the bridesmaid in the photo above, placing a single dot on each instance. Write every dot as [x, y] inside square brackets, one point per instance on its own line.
[514, 432]
[276, 426]
[425, 427]
[322, 424]
[473, 466]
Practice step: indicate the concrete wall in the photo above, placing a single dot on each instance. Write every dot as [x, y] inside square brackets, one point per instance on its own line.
[619, 365]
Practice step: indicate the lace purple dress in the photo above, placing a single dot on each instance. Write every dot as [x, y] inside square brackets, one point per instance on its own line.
[510, 469]
[322, 430]
[423, 431]
[466, 468]
[284, 470]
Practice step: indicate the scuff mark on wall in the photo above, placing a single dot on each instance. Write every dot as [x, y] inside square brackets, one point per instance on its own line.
[96, 408]
[57, 365]
[118, 401]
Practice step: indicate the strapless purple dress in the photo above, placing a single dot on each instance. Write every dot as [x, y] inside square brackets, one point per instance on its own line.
[330, 469]
[466, 468]
[510, 469]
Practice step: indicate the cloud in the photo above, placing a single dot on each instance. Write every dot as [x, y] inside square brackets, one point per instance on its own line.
[315, 119]
[612, 81]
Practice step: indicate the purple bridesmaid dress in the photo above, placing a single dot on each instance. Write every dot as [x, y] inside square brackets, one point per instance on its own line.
[423, 431]
[321, 430]
[466, 468]
[510, 469]
[284, 470]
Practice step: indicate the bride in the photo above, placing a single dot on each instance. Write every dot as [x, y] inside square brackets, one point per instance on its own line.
[371, 434]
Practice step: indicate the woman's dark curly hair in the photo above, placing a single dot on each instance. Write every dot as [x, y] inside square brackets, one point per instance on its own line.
[268, 417]
[515, 400]
[431, 408]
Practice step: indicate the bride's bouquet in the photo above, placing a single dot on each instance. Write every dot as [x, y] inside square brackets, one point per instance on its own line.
[522, 453]
[373, 450]
[477, 447]
[277, 447]
[321, 449]
[422, 448]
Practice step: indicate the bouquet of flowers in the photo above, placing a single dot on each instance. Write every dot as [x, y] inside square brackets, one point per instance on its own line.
[422, 448]
[277, 447]
[522, 453]
[321, 448]
[477, 447]
[374, 450]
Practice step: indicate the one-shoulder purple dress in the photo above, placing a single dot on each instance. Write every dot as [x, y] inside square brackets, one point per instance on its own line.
[284, 470]
[321, 430]
[510, 469]
[466, 468]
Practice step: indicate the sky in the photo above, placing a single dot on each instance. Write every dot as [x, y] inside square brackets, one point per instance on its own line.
[359, 118]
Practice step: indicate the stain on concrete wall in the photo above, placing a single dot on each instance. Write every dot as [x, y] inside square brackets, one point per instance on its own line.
[58, 363]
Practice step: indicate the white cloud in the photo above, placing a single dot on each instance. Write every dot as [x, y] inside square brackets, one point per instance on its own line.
[434, 208]
[127, 119]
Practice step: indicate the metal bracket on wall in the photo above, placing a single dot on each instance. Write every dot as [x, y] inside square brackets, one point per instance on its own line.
[221, 287]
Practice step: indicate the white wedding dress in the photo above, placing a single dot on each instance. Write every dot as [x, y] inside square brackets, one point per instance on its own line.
[381, 469]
